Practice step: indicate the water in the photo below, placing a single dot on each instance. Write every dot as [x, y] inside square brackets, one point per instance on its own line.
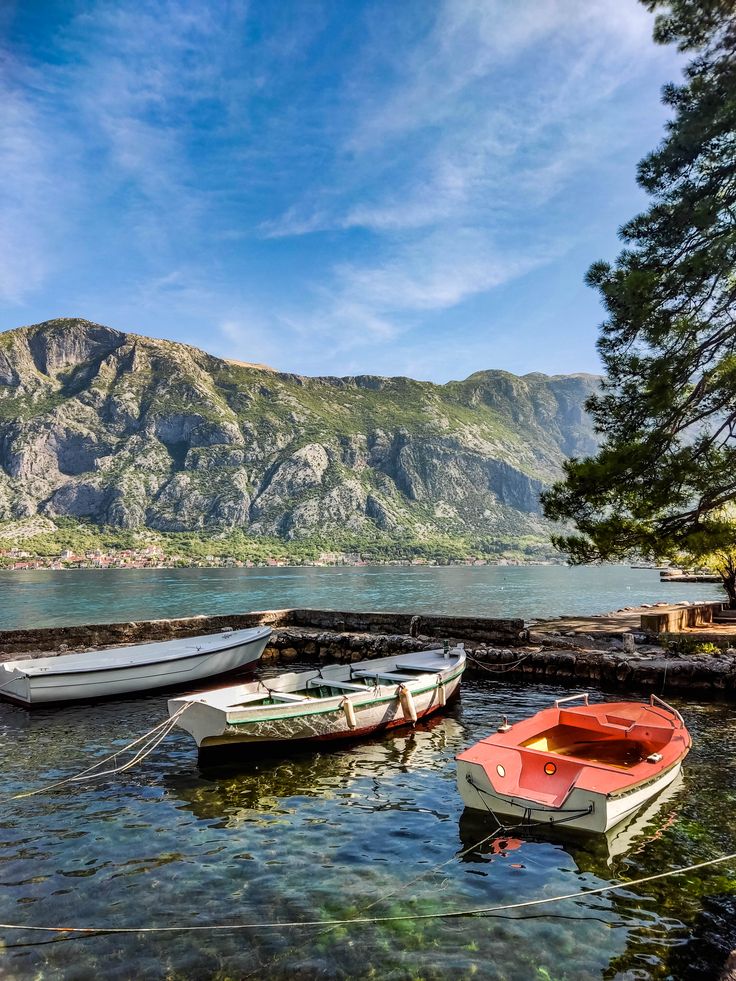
[373, 829]
[36, 599]
[376, 828]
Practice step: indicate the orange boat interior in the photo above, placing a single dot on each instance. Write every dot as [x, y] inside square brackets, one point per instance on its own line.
[613, 740]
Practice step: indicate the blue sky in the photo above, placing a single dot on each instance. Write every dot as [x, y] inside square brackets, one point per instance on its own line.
[329, 187]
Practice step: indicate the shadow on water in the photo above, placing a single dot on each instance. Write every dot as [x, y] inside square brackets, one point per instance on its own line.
[238, 787]
[372, 826]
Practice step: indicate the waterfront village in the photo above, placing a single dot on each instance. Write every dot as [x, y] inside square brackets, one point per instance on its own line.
[154, 557]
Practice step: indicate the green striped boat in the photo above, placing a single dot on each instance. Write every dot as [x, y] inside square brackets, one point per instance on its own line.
[336, 702]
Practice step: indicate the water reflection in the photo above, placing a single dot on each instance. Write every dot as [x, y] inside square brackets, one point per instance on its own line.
[242, 789]
[374, 826]
[594, 853]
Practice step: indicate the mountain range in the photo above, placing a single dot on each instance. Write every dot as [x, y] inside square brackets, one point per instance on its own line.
[121, 430]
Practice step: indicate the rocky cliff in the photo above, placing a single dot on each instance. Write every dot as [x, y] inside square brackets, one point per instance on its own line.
[130, 431]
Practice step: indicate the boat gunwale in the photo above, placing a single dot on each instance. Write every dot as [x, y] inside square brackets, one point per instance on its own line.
[337, 700]
[640, 784]
[588, 764]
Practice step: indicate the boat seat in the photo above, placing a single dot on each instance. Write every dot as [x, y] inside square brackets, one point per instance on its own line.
[440, 664]
[334, 683]
[285, 696]
[385, 675]
[259, 696]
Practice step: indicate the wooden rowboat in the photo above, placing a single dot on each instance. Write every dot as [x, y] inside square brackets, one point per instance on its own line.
[339, 701]
[586, 767]
[126, 670]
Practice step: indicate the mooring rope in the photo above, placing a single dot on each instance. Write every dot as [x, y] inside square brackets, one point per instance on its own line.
[286, 954]
[393, 918]
[147, 742]
[501, 667]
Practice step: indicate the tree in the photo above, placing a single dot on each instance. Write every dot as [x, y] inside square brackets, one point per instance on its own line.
[663, 483]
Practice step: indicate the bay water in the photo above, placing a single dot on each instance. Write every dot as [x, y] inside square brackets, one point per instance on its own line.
[47, 598]
[373, 830]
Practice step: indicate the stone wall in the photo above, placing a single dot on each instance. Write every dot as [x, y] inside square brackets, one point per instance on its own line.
[497, 647]
[480, 629]
[631, 672]
[49, 640]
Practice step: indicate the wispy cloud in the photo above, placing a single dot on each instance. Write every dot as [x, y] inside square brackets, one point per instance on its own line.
[114, 117]
[30, 185]
[494, 111]
[494, 100]
[314, 182]
[370, 303]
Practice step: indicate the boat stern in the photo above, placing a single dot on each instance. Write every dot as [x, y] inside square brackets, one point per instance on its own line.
[14, 683]
[514, 774]
[202, 721]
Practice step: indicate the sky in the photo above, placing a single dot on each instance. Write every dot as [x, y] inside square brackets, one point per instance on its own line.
[340, 187]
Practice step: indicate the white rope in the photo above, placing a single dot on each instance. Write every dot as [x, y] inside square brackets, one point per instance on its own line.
[450, 914]
[149, 740]
[499, 669]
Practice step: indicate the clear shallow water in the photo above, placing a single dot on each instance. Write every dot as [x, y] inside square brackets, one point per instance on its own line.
[330, 835]
[35, 599]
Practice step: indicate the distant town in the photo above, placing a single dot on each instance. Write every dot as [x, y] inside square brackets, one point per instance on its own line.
[154, 557]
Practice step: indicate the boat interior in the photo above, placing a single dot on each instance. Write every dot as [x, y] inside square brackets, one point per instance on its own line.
[355, 680]
[613, 740]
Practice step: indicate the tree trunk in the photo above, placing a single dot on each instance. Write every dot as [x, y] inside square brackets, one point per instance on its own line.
[727, 573]
[729, 584]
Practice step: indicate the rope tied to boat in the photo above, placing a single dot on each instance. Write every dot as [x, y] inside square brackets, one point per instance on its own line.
[148, 742]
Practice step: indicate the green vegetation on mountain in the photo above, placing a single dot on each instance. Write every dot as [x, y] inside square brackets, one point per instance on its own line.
[121, 433]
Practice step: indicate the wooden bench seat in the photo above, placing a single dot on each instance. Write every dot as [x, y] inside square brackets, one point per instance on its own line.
[334, 683]
[386, 675]
[259, 696]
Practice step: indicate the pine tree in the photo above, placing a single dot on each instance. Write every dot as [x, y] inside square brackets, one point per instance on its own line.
[663, 483]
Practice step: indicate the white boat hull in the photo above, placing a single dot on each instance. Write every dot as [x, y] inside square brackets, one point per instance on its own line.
[584, 810]
[125, 671]
[321, 719]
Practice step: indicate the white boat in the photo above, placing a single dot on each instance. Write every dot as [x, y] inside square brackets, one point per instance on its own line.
[339, 701]
[125, 670]
[588, 767]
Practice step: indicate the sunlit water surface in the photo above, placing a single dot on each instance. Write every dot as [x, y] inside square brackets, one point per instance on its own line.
[35, 599]
[373, 829]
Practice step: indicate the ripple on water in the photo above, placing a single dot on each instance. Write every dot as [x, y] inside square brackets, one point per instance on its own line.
[321, 836]
[83, 596]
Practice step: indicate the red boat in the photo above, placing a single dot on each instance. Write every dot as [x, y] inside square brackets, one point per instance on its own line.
[587, 767]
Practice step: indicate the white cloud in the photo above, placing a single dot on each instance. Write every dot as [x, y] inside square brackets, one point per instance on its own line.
[455, 162]
[380, 302]
[244, 335]
[433, 274]
[30, 186]
[110, 120]
[495, 100]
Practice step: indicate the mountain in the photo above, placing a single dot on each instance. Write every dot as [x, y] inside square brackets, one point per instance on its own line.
[131, 432]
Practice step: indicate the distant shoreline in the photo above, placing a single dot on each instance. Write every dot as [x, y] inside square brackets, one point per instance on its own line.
[90, 566]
